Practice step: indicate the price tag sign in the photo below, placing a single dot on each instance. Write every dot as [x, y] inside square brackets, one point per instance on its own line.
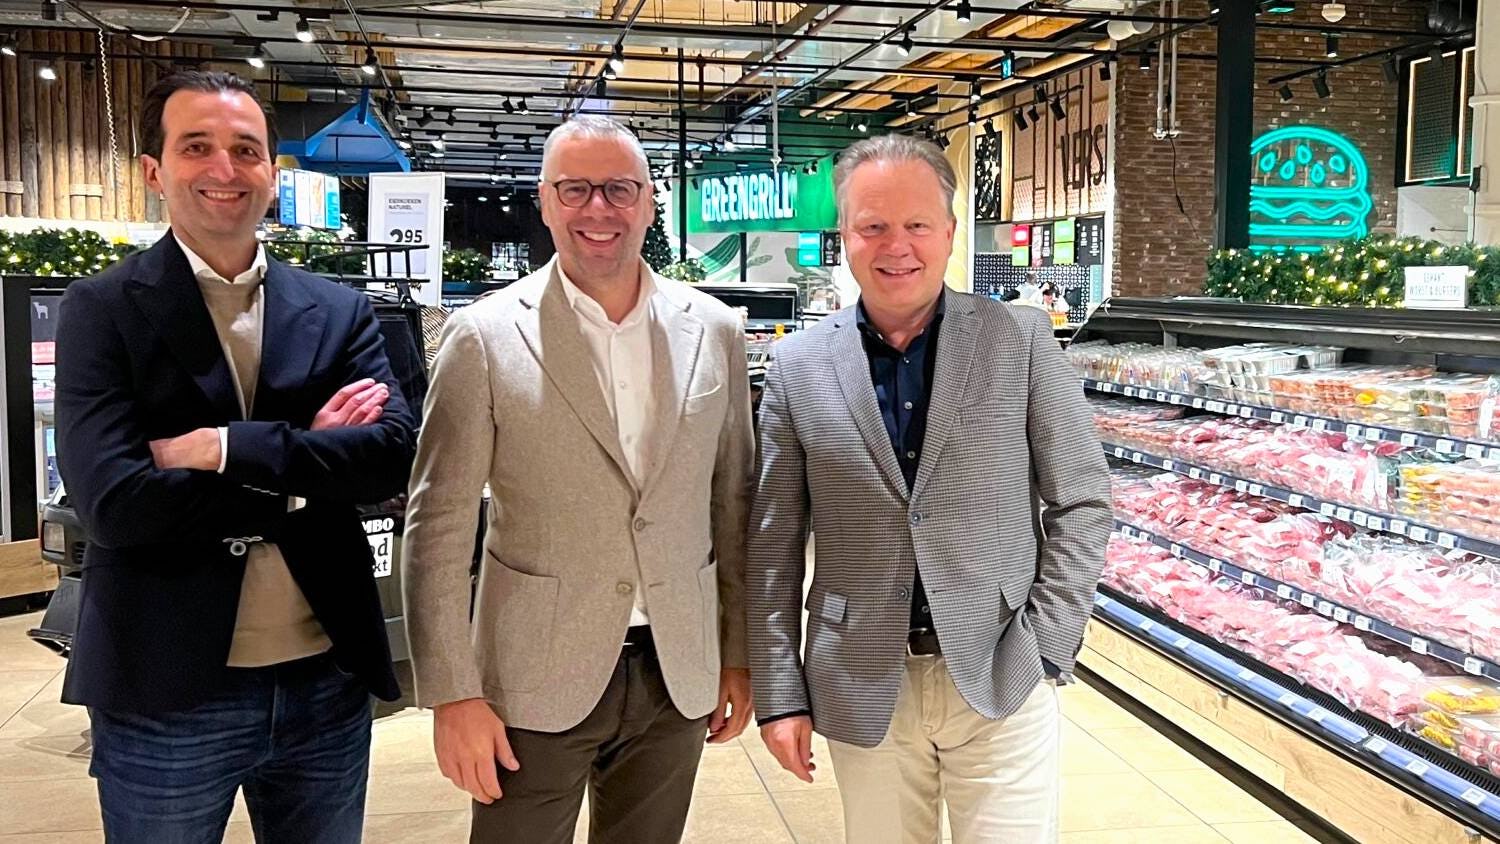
[1473, 797]
[1146, 624]
[1307, 600]
[1375, 523]
[1197, 404]
[1284, 591]
[1361, 519]
[1294, 499]
[1104, 388]
[1376, 745]
[1474, 450]
[1247, 412]
[1194, 472]
[1119, 452]
[1397, 526]
[1473, 666]
[1181, 644]
[1341, 615]
[1418, 533]
[1326, 509]
[1374, 434]
[1247, 578]
[1353, 430]
[1447, 540]
[1160, 396]
[1130, 391]
[1343, 514]
[1325, 608]
[1232, 409]
[1494, 453]
[1135, 457]
[1318, 715]
[1216, 406]
[1215, 566]
[1445, 446]
[1320, 424]
[1299, 421]
[1176, 550]
[1408, 440]
[1257, 490]
[1277, 416]
[1215, 478]
[1419, 644]
[1418, 767]
[1362, 623]
[1288, 700]
[1241, 486]
[1169, 464]
[1246, 674]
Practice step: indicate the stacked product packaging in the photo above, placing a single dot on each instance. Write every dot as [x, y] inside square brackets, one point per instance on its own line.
[1445, 594]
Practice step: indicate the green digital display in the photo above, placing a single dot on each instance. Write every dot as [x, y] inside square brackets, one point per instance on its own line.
[1311, 187]
[809, 249]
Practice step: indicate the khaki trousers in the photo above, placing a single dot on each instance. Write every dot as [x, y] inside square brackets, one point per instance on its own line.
[1000, 779]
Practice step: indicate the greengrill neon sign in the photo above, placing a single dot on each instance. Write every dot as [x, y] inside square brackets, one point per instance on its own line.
[1311, 187]
[779, 200]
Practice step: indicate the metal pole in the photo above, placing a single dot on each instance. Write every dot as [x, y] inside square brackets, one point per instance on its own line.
[1234, 123]
[682, 179]
[1486, 103]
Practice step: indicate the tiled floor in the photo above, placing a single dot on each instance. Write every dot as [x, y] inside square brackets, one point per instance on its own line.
[1123, 782]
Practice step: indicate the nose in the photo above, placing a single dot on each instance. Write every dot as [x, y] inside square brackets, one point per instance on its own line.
[896, 243]
[220, 166]
[597, 203]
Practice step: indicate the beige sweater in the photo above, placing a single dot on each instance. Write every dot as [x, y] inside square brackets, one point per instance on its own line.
[274, 623]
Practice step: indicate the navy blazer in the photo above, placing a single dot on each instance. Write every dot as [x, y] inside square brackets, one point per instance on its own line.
[138, 360]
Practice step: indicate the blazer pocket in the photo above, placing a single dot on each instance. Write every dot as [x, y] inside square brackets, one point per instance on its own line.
[523, 617]
[700, 402]
[990, 409]
[708, 587]
[829, 606]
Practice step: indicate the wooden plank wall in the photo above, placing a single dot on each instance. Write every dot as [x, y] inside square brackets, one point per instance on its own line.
[55, 150]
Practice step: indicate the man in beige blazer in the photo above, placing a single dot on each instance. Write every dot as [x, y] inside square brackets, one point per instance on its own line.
[608, 408]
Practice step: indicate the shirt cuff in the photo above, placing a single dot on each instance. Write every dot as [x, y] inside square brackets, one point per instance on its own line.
[223, 449]
[793, 714]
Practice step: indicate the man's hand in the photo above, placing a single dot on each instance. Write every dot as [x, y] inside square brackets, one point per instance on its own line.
[735, 703]
[359, 403]
[194, 450]
[790, 741]
[469, 737]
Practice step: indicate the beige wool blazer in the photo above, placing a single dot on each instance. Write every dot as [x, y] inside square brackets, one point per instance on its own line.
[515, 402]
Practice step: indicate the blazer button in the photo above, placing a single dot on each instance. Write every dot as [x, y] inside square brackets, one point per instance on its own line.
[904, 594]
[237, 548]
[916, 518]
[624, 588]
[640, 525]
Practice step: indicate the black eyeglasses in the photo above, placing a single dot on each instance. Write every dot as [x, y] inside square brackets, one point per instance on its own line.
[576, 193]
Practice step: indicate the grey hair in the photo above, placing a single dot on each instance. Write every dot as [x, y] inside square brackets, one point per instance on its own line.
[894, 148]
[594, 126]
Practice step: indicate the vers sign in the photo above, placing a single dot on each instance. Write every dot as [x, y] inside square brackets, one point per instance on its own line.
[784, 200]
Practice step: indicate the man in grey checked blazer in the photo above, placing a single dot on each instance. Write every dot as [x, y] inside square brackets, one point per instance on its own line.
[939, 448]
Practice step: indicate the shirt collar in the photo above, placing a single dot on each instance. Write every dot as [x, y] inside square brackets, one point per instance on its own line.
[201, 269]
[586, 307]
[862, 318]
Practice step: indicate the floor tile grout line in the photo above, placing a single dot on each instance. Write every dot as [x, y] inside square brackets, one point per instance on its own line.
[766, 789]
[31, 700]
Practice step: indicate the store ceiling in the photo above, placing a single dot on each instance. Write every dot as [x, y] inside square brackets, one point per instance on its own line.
[489, 74]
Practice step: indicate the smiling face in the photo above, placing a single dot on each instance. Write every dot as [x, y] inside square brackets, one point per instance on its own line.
[598, 242]
[215, 168]
[898, 234]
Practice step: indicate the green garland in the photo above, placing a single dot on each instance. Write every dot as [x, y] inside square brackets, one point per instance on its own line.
[285, 244]
[466, 265]
[691, 271]
[1368, 272]
[58, 252]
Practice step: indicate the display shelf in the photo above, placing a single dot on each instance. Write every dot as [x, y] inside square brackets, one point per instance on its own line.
[1355, 430]
[1421, 644]
[1310, 712]
[1384, 522]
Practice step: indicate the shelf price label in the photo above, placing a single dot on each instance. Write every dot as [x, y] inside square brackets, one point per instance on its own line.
[1284, 591]
[1375, 523]
[1445, 446]
[1376, 745]
[1215, 566]
[1474, 450]
[1362, 623]
[1318, 715]
[1408, 440]
[1104, 388]
[1325, 608]
[1343, 514]
[1320, 424]
[1353, 430]
[1247, 578]
[1176, 550]
[1182, 643]
[1215, 478]
[1194, 472]
[1326, 509]
[1135, 457]
[1418, 533]
[1295, 500]
[1473, 666]
[1341, 615]
[1277, 416]
[1257, 490]
[1216, 406]
[1419, 645]
[1307, 600]
[1473, 797]
[1119, 452]
[1418, 767]
[1247, 412]
[1129, 391]
[1447, 540]
[1146, 624]
[1197, 404]
[1287, 699]
[1397, 526]
[1232, 410]
[1361, 519]
[1169, 464]
[1241, 486]
[1160, 396]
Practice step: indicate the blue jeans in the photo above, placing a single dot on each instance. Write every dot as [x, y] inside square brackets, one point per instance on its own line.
[295, 736]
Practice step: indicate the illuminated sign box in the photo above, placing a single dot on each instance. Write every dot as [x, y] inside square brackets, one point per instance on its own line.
[779, 200]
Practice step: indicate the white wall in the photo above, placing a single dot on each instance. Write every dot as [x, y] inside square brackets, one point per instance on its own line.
[1433, 213]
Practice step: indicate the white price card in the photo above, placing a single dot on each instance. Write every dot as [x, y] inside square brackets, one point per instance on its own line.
[1326, 509]
[1445, 446]
[1447, 540]
[1146, 624]
[1182, 643]
[1419, 533]
[1169, 464]
[1418, 767]
[1215, 478]
[1104, 388]
[1473, 796]
[1277, 416]
[1119, 452]
[1320, 424]
[1362, 622]
[1341, 615]
[1318, 715]
[1419, 644]
[1247, 578]
[1160, 396]
[1130, 391]
[1300, 421]
[1374, 434]
[1247, 412]
[1215, 565]
[1197, 404]
[1325, 608]
[1343, 514]
[1494, 453]
[1474, 450]
[1353, 430]
[1375, 523]
[1216, 406]
[1473, 665]
[1288, 700]
[1135, 457]
[1284, 591]
[1176, 550]
[1295, 500]
[1241, 486]
[1408, 440]
[1361, 519]
[1308, 600]
[1397, 526]
[1246, 674]
[1376, 745]
[1257, 489]
[1232, 409]
[1194, 472]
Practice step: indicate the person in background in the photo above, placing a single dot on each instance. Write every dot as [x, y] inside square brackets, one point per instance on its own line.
[939, 446]
[219, 416]
[608, 408]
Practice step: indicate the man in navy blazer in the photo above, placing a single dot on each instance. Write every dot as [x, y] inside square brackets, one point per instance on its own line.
[220, 415]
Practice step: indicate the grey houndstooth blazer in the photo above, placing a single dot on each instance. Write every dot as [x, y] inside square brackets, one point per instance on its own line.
[1008, 520]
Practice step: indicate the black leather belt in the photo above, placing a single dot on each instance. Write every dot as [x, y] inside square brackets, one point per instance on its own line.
[923, 643]
[638, 636]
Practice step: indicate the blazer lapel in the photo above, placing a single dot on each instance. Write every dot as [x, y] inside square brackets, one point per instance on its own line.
[852, 366]
[676, 338]
[167, 293]
[955, 354]
[291, 332]
[550, 328]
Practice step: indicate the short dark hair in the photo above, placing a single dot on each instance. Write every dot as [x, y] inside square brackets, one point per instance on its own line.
[207, 81]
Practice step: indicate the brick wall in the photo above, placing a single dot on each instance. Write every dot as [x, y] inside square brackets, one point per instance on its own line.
[1159, 250]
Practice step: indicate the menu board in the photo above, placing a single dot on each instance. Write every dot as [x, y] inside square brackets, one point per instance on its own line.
[1042, 241]
[1089, 241]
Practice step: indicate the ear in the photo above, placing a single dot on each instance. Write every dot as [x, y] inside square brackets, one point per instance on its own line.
[150, 170]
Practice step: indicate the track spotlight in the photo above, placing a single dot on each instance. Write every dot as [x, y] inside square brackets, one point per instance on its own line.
[974, 91]
[861, 125]
[1331, 43]
[426, 119]
[609, 71]
[521, 104]
[510, 107]
[1033, 114]
[1436, 54]
[1058, 111]
[304, 31]
[46, 72]
[617, 60]
[257, 58]
[438, 143]
[1105, 74]
[911, 110]
[1021, 122]
[1286, 93]
[963, 11]
[1320, 84]
[973, 116]
[905, 45]
[1039, 92]
[1146, 60]
[370, 64]
[403, 143]
[1392, 73]
[991, 129]
[8, 45]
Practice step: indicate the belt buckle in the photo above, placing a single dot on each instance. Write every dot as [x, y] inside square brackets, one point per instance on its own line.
[918, 631]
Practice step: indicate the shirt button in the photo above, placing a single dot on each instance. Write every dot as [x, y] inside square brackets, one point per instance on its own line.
[624, 386]
[908, 405]
[916, 518]
[640, 525]
[911, 455]
[624, 588]
[906, 360]
[904, 594]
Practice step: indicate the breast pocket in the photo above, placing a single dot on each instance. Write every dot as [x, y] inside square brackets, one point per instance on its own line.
[702, 400]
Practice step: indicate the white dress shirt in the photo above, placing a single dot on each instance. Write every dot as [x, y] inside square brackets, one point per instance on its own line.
[621, 354]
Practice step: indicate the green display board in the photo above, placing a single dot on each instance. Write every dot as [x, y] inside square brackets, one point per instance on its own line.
[780, 200]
